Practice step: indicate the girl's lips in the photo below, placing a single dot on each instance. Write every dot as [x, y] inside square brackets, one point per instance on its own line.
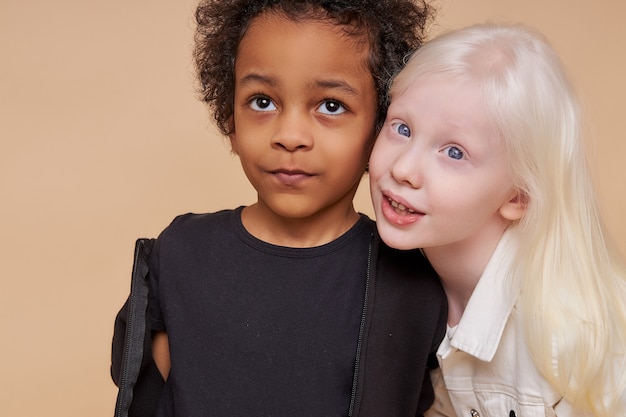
[397, 213]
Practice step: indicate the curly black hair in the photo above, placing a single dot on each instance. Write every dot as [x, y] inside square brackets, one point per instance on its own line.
[393, 27]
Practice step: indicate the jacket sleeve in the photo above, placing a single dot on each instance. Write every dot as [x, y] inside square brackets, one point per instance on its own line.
[404, 316]
[117, 346]
[132, 368]
[433, 387]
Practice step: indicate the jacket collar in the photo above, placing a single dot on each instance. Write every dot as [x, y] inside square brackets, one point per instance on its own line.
[480, 329]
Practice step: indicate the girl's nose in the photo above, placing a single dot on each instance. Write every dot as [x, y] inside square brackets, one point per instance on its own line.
[407, 167]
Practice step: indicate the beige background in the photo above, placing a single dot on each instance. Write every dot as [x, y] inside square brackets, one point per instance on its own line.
[103, 141]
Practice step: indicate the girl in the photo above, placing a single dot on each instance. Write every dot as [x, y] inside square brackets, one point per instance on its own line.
[481, 163]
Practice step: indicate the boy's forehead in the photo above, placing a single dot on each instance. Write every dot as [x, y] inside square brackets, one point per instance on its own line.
[273, 32]
[349, 31]
[302, 59]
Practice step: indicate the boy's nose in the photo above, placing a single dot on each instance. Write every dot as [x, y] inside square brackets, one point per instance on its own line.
[293, 132]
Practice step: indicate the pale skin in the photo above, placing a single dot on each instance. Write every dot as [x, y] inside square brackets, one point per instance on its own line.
[440, 181]
[304, 123]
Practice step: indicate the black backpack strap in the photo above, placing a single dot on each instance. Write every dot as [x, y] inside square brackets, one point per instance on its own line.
[131, 337]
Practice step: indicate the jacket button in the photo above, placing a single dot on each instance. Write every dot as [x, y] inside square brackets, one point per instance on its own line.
[474, 413]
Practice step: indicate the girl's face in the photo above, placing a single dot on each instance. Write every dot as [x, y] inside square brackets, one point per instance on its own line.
[438, 171]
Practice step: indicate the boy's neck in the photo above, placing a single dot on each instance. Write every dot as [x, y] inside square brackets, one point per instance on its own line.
[310, 231]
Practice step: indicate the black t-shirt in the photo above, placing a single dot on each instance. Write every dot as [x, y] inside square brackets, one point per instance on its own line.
[257, 329]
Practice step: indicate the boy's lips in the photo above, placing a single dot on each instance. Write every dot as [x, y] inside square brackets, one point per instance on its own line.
[291, 177]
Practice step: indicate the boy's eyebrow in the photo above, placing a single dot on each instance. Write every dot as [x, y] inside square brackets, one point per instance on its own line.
[256, 77]
[323, 83]
[338, 85]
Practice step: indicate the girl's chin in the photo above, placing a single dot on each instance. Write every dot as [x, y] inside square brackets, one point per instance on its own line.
[394, 238]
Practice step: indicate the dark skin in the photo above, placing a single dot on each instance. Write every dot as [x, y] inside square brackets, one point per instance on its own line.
[304, 124]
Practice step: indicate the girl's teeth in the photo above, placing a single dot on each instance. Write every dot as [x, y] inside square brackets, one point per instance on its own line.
[399, 206]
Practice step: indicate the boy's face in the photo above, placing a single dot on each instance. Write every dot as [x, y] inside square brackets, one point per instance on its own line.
[304, 119]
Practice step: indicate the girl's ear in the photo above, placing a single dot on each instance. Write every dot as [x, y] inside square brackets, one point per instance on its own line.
[515, 206]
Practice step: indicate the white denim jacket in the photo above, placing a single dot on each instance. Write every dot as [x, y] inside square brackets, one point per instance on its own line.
[484, 361]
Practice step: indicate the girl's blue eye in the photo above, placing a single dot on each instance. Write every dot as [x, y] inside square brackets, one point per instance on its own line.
[402, 129]
[262, 103]
[454, 152]
[331, 107]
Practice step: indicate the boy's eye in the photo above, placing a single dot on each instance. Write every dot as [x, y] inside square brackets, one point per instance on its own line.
[262, 103]
[402, 129]
[454, 152]
[331, 107]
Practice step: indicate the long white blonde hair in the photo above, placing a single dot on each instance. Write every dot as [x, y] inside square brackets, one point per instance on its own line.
[573, 282]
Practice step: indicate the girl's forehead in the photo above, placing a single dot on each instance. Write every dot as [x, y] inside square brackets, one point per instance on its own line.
[408, 81]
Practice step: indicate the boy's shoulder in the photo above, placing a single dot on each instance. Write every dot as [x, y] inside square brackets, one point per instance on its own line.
[200, 224]
[404, 260]
[407, 268]
[192, 220]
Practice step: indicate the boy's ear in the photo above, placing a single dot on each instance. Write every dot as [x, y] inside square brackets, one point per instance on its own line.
[232, 136]
[233, 143]
[515, 206]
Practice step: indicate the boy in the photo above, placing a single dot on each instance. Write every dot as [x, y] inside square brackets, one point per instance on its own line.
[291, 306]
